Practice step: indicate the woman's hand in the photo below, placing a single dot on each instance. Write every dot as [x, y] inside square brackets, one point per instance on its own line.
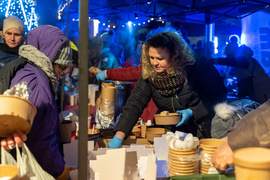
[185, 116]
[116, 142]
[18, 138]
[223, 157]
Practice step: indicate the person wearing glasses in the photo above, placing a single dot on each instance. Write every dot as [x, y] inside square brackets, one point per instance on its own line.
[12, 38]
[42, 62]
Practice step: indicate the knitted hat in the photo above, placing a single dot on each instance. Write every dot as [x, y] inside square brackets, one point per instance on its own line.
[13, 22]
[64, 56]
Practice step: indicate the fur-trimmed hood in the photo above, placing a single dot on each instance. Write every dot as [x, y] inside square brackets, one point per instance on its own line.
[227, 114]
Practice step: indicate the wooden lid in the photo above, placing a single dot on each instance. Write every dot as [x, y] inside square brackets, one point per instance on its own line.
[253, 157]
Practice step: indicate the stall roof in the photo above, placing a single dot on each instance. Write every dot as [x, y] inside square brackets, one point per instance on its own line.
[197, 11]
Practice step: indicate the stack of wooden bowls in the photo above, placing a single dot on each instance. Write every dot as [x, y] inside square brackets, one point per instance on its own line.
[153, 132]
[206, 151]
[183, 162]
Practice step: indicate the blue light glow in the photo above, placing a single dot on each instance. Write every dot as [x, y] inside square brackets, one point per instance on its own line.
[216, 44]
[23, 9]
[129, 23]
[243, 39]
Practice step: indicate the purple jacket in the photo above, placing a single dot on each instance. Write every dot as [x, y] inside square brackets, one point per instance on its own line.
[44, 138]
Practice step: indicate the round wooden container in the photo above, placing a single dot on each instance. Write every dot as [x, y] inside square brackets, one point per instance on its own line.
[10, 171]
[171, 119]
[252, 163]
[15, 113]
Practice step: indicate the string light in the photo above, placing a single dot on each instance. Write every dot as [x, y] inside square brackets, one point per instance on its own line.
[62, 9]
[136, 16]
[23, 9]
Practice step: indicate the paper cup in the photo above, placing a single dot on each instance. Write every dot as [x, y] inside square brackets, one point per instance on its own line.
[10, 171]
[108, 93]
[252, 163]
[66, 127]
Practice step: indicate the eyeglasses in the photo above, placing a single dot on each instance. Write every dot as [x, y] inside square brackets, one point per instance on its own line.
[62, 70]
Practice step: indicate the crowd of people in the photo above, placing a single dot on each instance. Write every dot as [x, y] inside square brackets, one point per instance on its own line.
[169, 76]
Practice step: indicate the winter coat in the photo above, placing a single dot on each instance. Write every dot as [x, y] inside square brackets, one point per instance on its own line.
[6, 56]
[253, 81]
[203, 90]
[228, 114]
[44, 139]
[125, 74]
[108, 60]
[133, 74]
[253, 130]
[131, 61]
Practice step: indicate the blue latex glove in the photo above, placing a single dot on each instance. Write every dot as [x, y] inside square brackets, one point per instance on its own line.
[101, 76]
[186, 115]
[115, 143]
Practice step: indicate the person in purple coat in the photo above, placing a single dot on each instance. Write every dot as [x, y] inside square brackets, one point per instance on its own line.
[45, 59]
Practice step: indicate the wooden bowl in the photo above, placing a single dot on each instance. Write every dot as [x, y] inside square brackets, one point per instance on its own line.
[171, 119]
[151, 133]
[15, 113]
[211, 143]
[136, 131]
[10, 171]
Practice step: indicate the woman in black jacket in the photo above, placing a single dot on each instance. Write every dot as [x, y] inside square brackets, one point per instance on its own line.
[178, 80]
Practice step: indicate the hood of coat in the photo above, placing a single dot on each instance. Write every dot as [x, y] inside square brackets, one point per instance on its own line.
[47, 39]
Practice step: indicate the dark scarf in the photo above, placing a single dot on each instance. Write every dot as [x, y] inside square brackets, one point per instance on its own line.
[4, 47]
[168, 84]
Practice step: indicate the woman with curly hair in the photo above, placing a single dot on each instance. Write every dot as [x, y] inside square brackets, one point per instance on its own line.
[179, 80]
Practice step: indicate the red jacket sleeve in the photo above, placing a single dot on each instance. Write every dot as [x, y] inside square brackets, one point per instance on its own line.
[125, 74]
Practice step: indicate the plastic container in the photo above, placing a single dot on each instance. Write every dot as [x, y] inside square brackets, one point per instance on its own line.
[15, 113]
[122, 92]
[252, 163]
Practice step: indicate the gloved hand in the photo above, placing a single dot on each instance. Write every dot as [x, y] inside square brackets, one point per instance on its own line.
[101, 76]
[115, 143]
[186, 115]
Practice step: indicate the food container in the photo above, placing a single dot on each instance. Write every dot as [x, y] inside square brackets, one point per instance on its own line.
[252, 163]
[9, 172]
[206, 151]
[15, 113]
[136, 131]
[170, 119]
[66, 130]
[151, 133]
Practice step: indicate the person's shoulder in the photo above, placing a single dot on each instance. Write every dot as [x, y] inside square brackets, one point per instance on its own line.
[200, 59]
[32, 74]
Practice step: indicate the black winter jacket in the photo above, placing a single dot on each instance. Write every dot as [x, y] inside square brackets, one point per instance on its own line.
[202, 92]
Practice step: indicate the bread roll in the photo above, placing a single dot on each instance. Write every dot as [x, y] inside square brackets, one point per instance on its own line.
[164, 113]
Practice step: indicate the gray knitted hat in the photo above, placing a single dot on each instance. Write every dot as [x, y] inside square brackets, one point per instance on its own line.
[64, 56]
[13, 22]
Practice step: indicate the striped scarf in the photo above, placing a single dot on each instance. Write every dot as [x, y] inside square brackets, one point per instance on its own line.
[168, 84]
